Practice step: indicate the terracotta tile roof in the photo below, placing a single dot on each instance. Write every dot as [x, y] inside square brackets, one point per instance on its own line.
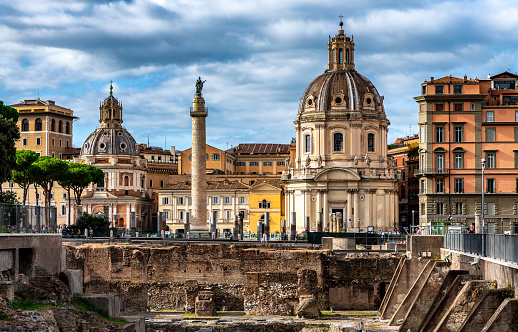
[504, 73]
[152, 151]
[273, 182]
[260, 148]
[214, 185]
[446, 79]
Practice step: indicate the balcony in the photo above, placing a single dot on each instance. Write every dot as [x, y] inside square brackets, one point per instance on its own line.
[432, 171]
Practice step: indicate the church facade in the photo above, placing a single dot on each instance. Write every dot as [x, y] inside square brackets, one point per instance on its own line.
[123, 195]
[340, 175]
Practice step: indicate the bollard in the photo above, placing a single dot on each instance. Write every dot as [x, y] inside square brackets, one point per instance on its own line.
[293, 226]
[111, 234]
[136, 234]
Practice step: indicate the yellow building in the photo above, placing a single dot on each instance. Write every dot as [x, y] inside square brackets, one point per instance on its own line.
[267, 196]
[218, 161]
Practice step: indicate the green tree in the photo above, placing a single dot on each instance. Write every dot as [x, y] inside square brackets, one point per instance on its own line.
[77, 178]
[9, 197]
[8, 133]
[46, 170]
[21, 173]
[99, 224]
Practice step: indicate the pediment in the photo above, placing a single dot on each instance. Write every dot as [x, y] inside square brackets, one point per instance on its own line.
[337, 174]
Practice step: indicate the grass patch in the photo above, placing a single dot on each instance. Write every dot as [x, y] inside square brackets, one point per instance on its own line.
[82, 305]
[26, 305]
[325, 326]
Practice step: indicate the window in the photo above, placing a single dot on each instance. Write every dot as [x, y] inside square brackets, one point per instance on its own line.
[439, 107]
[60, 143]
[267, 163]
[490, 209]
[490, 134]
[422, 134]
[165, 200]
[439, 208]
[439, 162]
[515, 116]
[516, 134]
[207, 156]
[458, 208]
[423, 210]
[307, 142]
[38, 140]
[161, 183]
[264, 204]
[159, 158]
[64, 195]
[25, 125]
[340, 56]
[439, 134]
[267, 173]
[515, 159]
[458, 134]
[38, 125]
[458, 160]
[458, 185]
[457, 89]
[490, 116]
[24, 141]
[60, 126]
[490, 186]
[280, 163]
[334, 56]
[370, 142]
[67, 144]
[457, 107]
[490, 160]
[402, 192]
[67, 128]
[423, 161]
[180, 200]
[423, 186]
[242, 200]
[150, 183]
[227, 215]
[166, 215]
[215, 156]
[254, 163]
[53, 142]
[439, 186]
[215, 200]
[53, 125]
[338, 142]
[63, 210]
[190, 157]
[181, 215]
[347, 55]
[241, 163]
[423, 89]
[438, 89]
[227, 200]
[395, 162]
[472, 106]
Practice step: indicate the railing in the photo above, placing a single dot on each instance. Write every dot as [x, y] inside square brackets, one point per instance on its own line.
[434, 170]
[15, 218]
[361, 238]
[498, 246]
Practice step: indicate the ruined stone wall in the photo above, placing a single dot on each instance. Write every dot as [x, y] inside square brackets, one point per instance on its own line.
[152, 276]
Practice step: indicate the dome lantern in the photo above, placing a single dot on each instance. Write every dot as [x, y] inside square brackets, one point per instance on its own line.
[110, 111]
[341, 51]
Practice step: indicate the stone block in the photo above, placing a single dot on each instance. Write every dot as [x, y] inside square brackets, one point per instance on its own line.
[307, 282]
[205, 304]
[73, 279]
[108, 304]
[327, 243]
[344, 243]
[308, 307]
[191, 292]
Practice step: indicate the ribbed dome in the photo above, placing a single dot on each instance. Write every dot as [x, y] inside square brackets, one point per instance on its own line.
[110, 141]
[341, 90]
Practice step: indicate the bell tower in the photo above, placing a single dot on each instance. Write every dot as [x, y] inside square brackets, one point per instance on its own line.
[110, 111]
[341, 51]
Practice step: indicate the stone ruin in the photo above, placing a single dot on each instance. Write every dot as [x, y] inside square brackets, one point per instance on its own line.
[307, 292]
[205, 304]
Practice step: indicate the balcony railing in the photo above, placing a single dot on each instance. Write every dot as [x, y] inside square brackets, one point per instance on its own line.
[498, 246]
[432, 171]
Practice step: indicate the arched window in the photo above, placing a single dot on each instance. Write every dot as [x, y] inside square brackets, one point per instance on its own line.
[25, 125]
[403, 192]
[38, 125]
[334, 56]
[53, 125]
[338, 142]
[67, 128]
[370, 142]
[347, 55]
[340, 56]
[60, 126]
[126, 181]
[307, 143]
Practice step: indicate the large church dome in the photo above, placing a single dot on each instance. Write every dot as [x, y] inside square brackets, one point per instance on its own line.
[111, 138]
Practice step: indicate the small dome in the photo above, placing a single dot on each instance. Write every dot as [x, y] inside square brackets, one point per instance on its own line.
[341, 90]
[110, 141]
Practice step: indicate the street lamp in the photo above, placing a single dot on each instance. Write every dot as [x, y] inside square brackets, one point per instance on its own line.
[412, 222]
[483, 162]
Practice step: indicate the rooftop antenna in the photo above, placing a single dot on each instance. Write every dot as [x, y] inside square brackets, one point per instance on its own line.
[148, 140]
[165, 143]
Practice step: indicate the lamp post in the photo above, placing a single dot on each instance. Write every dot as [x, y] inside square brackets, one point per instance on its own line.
[483, 162]
[412, 222]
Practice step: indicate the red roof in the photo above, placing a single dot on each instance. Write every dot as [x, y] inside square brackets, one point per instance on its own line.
[261, 148]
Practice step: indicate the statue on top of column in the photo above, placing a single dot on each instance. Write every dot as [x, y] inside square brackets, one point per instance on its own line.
[199, 85]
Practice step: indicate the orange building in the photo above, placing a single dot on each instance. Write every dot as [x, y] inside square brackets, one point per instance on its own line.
[462, 122]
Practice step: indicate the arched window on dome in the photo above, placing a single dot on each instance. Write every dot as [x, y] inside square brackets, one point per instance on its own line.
[334, 55]
[347, 56]
[67, 127]
[53, 125]
[340, 56]
[60, 126]
[338, 142]
[38, 125]
[25, 125]
[370, 142]
[307, 143]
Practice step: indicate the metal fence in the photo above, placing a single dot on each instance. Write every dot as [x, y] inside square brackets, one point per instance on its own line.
[361, 238]
[499, 246]
[17, 218]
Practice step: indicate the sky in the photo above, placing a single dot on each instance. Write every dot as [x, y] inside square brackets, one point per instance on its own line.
[257, 57]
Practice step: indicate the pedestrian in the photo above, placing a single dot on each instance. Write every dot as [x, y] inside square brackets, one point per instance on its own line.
[262, 240]
[91, 233]
[419, 232]
[78, 233]
[471, 229]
